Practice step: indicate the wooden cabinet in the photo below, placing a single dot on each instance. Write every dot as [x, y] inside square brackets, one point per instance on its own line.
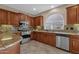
[7, 17]
[21, 16]
[13, 18]
[74, 43]
[3, 16]
[78, 14]
[26, 18]
[73, 14]
[48, 38]
[51, 39]
[30, 20]
[38, 21]
[35, 21]
[33, 35]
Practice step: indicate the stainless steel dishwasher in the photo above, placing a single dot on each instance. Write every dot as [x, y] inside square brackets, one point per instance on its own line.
[62, 41]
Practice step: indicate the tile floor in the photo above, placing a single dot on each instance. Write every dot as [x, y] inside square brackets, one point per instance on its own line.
[35, 47]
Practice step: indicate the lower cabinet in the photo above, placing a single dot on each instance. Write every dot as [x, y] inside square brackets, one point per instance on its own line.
[74, 43]
[48, 38]
[33, 36]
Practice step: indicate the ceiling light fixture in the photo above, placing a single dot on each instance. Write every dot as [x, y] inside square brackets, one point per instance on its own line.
[34, 9]
[52, 6]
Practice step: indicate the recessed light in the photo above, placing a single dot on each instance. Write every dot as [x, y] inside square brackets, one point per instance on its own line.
[34, 9]
[52, 6]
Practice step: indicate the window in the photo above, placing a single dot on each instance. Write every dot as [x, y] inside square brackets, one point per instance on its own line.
[54, 22]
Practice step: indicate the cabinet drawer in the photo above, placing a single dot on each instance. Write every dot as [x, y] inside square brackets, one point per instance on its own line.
[74, 36]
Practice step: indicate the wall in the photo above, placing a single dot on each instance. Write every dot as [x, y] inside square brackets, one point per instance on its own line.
[61, 9]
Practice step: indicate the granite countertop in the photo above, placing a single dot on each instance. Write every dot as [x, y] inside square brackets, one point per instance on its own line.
[58, 32]
[7, 40]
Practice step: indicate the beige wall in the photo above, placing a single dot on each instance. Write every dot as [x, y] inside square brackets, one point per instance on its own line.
[61, 9]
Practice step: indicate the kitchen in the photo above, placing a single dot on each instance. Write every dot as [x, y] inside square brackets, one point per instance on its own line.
[56, 26]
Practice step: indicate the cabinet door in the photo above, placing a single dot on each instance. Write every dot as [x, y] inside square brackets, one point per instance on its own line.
[43, 37]
[48, 38]
[10, 18]
[13, 19]
[33, 35]
[16, 20]
[38, 21]
[51, 39]
[3, 17]
[22, 17]
[0, 16]
[72, 15]
[30, 20]
[38, 36]
[74, 44]
[78, 14]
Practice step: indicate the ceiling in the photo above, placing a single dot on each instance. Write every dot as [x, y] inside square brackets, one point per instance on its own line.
[33, 9]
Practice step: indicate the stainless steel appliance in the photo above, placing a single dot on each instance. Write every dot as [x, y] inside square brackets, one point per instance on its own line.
[25, 31]
[25, 36]
[62, 41]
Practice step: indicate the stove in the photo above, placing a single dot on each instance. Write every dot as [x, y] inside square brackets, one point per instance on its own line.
[25, 31]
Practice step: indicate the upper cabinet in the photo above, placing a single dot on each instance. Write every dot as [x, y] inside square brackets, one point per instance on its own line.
[3, 16]
[30, 20]
[8, 17]
[72, 14]
[13, 18]
[78, 14]
[22, 17]
[38, 21]
[33, 21]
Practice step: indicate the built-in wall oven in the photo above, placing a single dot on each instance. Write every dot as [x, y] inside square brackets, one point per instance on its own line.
[25, 36]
